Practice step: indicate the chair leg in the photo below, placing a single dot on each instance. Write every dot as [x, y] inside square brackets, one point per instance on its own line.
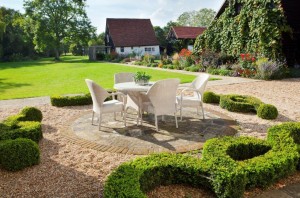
[156, 124]
[115, 117]
[93, 117]
[124, 117]
[198, 111]
[202, 111]
[176, 120]
[99, 121]
[180, 113]
[141, 118]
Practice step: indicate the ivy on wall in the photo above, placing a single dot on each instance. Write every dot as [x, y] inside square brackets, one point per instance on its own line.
[247, 26]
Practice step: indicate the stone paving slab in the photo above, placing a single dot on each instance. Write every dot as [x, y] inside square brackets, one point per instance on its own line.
[143, 140]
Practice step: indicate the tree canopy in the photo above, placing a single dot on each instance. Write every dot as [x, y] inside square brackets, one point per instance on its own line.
[201, 18]
[58, 22]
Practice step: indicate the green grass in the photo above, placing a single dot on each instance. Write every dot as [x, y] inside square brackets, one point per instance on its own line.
[46, 77]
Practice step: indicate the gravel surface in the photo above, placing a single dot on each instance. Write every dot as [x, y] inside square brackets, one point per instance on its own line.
[68, 170]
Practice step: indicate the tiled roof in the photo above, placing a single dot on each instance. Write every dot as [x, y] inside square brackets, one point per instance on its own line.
[187, 32]
[131, 32]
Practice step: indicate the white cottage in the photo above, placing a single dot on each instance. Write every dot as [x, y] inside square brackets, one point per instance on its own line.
[126, 36]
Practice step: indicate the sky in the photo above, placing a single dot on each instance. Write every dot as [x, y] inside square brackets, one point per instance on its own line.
[159, 11]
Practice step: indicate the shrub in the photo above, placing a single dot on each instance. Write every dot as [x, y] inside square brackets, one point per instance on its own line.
[18, 154]
[31, 114]
[267, 111]
[222, 72]
[25, 129]
[281, 134]
[211, 97]
[262, 162]
[26, 114]
[61, 101]
[239, 103]
[269, 69]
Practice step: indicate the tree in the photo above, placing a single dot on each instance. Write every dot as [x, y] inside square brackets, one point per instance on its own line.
[56, 22]
[14, 39]
[99, 40]
[201, 18]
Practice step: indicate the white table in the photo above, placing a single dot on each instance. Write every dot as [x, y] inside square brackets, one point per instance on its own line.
[132, 90]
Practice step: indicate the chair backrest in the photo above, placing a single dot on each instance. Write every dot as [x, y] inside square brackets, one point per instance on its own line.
[200, 82]
[162, 95]
[98, 94]
[123, 77]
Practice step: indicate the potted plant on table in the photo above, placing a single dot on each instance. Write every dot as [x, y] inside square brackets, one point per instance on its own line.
[141, 78]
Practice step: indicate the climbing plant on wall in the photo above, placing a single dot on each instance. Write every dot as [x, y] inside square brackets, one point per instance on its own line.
[247, 26]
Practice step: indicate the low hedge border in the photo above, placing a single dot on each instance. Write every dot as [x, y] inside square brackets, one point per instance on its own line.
[62, 101]
[19, 135]
[227, 168]
[242, 103]
[78, 100]
[277, 134]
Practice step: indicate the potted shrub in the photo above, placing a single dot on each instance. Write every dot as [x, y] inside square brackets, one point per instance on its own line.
[141, 78]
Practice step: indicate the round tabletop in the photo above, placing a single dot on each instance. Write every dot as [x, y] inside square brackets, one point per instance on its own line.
[132, 86]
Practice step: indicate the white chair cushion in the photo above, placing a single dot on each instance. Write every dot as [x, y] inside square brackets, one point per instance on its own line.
[112, 106]
[189, 101]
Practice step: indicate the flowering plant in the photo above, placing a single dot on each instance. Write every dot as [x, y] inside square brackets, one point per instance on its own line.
[247, 63]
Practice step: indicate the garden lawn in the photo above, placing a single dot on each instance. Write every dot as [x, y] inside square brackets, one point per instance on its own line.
[45, 77]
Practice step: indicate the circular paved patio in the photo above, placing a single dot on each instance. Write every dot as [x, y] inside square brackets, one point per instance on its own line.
[193, 131]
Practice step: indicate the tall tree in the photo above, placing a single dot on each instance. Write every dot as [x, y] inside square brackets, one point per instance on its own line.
[58, 21]
[201, 18]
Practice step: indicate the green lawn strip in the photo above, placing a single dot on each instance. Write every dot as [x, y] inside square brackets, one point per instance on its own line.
[45, 77]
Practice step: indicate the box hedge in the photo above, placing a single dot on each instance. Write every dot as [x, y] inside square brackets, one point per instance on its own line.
[61, 101]
[19, 135]
[239, 103]
[229, 166]
[211, 97]
[18, 154]
[267, 111]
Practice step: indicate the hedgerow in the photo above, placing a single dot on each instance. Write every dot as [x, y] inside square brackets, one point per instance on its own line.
[61, 101]
[228, 167]
[19, 135]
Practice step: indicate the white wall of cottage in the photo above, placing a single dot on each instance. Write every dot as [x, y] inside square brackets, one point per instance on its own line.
[141, 50]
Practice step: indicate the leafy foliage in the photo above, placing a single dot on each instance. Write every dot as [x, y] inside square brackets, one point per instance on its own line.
[56, 22]
[201, 18]
[249, 26]
[239, 103]
[18, 154]
[267, 111]
[62, 101]
[211, 97]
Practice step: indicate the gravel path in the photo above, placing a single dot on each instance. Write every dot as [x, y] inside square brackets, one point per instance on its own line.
[68, 170]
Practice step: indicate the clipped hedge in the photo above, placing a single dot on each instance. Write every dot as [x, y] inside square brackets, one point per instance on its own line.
[19, 135]
[211, 97]
[267, 111]
[18, 154]
[277, 134]
[135, 178]
[262, 162]
[62, 101]
[229, 166]
[239, 103]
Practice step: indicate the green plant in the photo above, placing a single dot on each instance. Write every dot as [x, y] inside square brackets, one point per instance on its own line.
[267, 111]
[31, 114]
[211, 97]
[141, 76]
[239, 103]
[268, 69]
[18, 154]
[61, 101]
[256, 28]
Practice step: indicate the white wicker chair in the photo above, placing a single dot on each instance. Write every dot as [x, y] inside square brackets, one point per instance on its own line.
[198, 87]
[99, 106]
[123, 77]
[160, 99]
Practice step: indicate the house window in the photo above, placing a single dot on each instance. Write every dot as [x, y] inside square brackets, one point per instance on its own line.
[122, 49]
[147, 49]
[153, 49]
[131, 48]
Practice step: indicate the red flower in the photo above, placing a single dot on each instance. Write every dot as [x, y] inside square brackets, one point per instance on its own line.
[253, 59]
[248, 56]
[242, 56]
